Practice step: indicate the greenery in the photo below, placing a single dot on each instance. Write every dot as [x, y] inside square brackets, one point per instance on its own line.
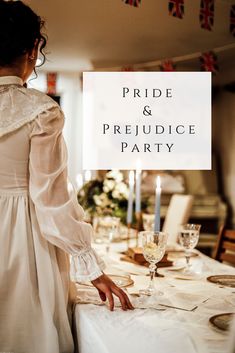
[108, 196]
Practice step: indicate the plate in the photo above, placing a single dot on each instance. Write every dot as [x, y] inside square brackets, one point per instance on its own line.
[222, 321]
[120, 281]
[223, 280]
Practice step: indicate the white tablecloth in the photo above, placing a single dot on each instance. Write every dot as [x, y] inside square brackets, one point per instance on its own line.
[154, 331]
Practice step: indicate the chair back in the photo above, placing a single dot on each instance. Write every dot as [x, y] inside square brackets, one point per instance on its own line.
[178, 213]
[225, 247]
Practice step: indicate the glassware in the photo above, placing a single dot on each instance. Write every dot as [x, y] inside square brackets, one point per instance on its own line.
[154, 247]
[188, 238]
[107, 229]
[148, 221]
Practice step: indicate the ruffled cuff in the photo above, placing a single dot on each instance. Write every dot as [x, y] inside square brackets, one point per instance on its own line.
[86, 266]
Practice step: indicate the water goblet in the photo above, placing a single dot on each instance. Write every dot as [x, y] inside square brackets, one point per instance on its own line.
[107, 229]
[154, 247]
[188, 238]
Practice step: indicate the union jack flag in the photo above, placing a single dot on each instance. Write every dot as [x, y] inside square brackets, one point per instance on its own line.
[209, 62]
[207, 14]
[167, 65]
[232, 20]
[51, 83]
[135, 3]
[176, 8]
[127, 68]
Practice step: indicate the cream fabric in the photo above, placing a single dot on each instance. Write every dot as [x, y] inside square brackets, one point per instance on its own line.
[41, 223]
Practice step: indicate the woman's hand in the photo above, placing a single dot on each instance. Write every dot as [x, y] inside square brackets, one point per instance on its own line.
[106, 288]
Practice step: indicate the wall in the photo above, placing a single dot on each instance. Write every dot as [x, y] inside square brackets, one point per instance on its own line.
[69, 88]
[224, 144]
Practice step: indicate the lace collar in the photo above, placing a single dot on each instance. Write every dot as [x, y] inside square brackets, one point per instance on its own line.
[11, 80]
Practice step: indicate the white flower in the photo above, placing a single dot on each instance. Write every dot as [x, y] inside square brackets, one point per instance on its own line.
[123, 190]
[101, 200]
[116, 194]
[97, 200]
[108, 185]
[105, 189]
[116, 175]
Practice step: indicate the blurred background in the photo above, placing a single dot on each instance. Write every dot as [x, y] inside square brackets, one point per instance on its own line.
[114, 35]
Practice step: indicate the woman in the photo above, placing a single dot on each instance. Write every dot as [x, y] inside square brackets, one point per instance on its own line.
[41, 223]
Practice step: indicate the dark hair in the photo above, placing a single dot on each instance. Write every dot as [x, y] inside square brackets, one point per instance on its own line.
[19, 29]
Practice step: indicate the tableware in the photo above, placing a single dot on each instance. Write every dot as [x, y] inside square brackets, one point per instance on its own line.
[188, 238]
[178, 254]
[119, 280]
[222, 321]
[148, 221]
[154, 246]
[223, 280]
[107, 229]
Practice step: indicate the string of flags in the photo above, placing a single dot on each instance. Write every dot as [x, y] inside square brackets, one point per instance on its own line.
[208, 62]
[135, 3]
[232, 20]
[176, 8]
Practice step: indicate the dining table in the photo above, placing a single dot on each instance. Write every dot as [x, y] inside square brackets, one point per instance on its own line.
[176, 321]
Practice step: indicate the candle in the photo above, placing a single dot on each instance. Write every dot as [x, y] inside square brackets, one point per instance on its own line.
[130, 199]
[87, 176]
[138, 188]
[157, 205]
[79, 180]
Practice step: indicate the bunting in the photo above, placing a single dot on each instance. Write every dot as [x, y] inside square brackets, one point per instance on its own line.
[51, 83]
[207, 14]
[176, 8]
[167, 65]
[127, 68]
[232, 20]
[135, 3]
[209, 62]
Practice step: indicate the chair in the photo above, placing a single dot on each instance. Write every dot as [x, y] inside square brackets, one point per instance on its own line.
[225, 247]
[178, 213]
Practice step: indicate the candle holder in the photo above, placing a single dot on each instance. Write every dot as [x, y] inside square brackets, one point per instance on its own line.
[128, 235]
[139, 225]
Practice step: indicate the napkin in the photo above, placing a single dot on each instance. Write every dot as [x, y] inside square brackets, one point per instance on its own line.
[174, 299]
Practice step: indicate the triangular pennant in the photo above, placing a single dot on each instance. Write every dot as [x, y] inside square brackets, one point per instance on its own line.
[51, 83]
[206, 16]
[176, 8]
[232, 20]
[209, 62]
[167, 65]
[135, 3]
[127, 68]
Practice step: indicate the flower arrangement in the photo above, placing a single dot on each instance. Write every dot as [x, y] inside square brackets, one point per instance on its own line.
[108, 196]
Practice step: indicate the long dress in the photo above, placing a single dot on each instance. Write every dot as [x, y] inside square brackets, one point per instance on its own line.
[41, 223]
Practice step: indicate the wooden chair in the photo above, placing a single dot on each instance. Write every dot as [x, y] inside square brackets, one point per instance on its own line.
[178, 213]
[225, 247]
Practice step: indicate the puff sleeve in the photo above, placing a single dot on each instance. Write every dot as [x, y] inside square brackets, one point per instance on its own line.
[59, 215]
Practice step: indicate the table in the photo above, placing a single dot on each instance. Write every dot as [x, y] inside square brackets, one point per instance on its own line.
[148, 330]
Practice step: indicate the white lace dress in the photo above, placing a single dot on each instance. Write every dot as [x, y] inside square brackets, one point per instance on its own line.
[41, 223]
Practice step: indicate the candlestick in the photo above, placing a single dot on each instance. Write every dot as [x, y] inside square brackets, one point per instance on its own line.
[157, 205]
[130, 199]
[87, 176]
[138, 188]
[79, 180]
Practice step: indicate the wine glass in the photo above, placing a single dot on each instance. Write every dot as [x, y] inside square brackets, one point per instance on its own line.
[154, 247]
[107, 228]
[188, 238]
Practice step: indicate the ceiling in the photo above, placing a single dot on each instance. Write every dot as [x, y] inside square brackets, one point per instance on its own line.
[86, 34]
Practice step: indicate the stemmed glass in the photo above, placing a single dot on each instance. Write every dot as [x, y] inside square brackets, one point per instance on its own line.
[154, 247]
[188, 238]
[107, 229]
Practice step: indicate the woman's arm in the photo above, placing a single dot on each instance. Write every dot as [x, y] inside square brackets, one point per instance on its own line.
[59, 215]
